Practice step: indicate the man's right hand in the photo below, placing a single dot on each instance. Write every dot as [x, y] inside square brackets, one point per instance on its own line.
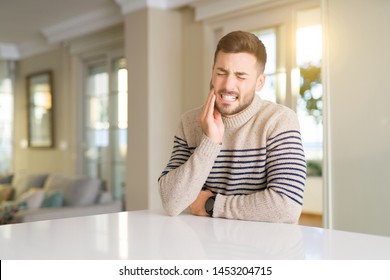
[211, 120]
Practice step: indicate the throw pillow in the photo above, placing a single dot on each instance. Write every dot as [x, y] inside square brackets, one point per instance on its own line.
[82, 191]
[5, 192]
[77, 191]
[6, 179]
[53, 199]
[8, 211]
[33, 198]
[57, 182]
[23, 182]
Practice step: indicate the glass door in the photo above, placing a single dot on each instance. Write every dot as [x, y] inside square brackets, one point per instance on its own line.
[106, 123]
[6, 117]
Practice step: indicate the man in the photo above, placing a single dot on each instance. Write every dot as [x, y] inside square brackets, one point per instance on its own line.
[238, 156]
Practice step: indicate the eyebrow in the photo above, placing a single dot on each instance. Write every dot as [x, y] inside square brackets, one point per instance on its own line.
[236, 73]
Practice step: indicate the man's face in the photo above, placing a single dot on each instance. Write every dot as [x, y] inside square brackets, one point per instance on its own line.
[236, 79]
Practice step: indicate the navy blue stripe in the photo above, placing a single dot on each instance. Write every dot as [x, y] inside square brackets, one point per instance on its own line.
[232, 161]
[178, 158]
[241, 156]
[175, 163]
[287, 174]
[287, 158]
[179, 139]
[277, 145]
[244, 150]
[236, 179]
[282, 193]
[285, 163]
[287, 179]
[179, 146]
[239, 173]
[288, 148]
[172, 166]
[285, 132]
[232, 185]
[286, 168]
[284, 154]
[285, 184]
[162, 175]
[293, 144]
[238, 167]
[185, 152]
[289, 191]
[236, 189]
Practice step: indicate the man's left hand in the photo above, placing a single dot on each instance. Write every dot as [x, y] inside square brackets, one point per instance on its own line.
[198, 206]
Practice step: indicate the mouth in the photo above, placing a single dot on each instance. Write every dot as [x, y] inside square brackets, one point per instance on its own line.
[228, 98]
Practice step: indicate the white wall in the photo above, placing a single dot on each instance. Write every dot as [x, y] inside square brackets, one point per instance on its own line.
[358, 91]
[153, 51]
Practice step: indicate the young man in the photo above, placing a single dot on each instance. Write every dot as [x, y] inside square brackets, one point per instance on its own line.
[238, 156]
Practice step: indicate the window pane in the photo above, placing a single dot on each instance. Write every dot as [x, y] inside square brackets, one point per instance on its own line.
[98, 113]
[121, 145]
[119, 179]
[309, 103]
[268, 37]
[106, 123]
[6, 117]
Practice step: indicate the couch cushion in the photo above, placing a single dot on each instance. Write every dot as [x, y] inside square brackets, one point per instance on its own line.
[33, 198]
[23, 182]
[6, 179]
[6, 191]
[53, 199]
[79, 191]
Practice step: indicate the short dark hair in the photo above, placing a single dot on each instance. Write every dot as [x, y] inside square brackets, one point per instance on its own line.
[241, 41]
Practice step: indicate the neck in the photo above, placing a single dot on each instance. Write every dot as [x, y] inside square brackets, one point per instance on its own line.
[243, 116]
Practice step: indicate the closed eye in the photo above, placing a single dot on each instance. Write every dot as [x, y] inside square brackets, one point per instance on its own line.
[241, 75]
[221, 71]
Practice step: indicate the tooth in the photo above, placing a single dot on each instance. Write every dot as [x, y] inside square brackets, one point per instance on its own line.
[229, 97]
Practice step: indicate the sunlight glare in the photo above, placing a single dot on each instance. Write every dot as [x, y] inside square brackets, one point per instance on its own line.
[309, 45]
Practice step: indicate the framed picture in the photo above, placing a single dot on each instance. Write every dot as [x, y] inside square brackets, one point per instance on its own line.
[40, 110]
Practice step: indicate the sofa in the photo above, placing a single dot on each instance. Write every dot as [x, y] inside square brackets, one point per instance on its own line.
[36, 197]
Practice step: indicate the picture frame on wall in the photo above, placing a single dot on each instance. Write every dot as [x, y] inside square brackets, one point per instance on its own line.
[40, 110]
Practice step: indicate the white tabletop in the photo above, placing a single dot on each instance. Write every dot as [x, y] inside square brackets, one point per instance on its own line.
[152, 235]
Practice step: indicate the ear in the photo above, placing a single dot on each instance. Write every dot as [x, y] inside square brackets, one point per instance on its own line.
[260, 82]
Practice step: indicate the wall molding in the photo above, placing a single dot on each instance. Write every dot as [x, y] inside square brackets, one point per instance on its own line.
[9, 51]
[128, 6]
[82, 25]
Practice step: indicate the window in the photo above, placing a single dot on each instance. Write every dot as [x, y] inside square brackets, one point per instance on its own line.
[309, 103]
[106, 123]
[6, 117]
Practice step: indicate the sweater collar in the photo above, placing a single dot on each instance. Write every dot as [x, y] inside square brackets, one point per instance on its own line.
[244, 116]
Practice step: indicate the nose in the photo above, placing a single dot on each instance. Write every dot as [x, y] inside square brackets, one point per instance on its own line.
[230, 83]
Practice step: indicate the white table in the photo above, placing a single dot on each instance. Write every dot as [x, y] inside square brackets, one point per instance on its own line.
[152, 235]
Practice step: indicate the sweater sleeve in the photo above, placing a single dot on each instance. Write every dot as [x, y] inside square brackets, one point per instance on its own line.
[281, 200]
[186, 172]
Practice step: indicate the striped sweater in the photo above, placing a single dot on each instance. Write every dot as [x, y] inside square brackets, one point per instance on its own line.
[257, 173]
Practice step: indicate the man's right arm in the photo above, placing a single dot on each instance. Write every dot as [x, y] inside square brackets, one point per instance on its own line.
[186, 173]
[188, 168]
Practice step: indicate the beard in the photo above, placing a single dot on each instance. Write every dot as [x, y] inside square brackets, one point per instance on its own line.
[229, 110]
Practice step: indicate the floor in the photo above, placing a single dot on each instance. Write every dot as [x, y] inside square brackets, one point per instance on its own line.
[312, 220]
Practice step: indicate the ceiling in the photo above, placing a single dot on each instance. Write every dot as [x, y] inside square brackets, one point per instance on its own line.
[27, 26]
